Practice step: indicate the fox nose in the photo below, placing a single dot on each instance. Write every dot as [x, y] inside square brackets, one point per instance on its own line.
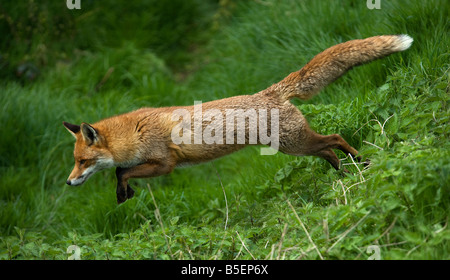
[68, 182]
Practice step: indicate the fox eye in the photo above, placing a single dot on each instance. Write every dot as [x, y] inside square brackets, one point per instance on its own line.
[83, 161]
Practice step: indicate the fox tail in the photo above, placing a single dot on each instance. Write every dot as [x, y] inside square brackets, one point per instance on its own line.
[335, 61]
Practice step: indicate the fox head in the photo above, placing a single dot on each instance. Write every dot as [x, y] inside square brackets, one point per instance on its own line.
[90, 153]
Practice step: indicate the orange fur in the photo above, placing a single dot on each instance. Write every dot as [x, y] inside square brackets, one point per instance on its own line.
[139, 143]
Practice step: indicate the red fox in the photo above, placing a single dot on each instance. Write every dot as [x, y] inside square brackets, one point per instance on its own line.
[146, 142]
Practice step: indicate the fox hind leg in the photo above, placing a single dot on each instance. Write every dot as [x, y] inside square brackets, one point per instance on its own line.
[329, 156]
[307, 142]
[322, 145]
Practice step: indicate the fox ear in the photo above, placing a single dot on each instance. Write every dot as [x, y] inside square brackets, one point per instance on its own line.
[89, 133]
[72, 128]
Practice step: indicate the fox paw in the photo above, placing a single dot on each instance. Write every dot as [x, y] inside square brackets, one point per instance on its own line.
[124, 194]
[121, 198]
[130, 192]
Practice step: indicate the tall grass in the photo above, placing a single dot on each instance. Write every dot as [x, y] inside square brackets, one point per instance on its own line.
[394, 111]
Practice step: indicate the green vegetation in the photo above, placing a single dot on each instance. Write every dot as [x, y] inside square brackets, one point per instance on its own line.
[84, 65]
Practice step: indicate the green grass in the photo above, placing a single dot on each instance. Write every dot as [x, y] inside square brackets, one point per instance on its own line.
[395, 111]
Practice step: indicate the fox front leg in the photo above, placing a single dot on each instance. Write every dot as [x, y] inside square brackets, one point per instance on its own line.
[123, 191]
[153, 169]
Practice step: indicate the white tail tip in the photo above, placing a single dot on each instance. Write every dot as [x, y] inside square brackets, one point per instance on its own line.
[404, 42]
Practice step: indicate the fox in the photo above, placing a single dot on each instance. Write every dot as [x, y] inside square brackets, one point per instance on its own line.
[140, 144]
